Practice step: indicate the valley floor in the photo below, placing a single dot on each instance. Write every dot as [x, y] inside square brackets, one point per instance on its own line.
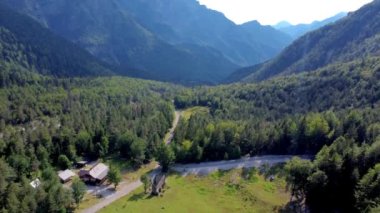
[217, 192]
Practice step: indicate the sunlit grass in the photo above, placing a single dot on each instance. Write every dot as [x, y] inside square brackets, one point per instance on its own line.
[218, 192]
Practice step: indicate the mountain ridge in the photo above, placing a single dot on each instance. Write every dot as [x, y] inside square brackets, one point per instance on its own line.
[296, 31]
[111, 34]
[198, 24]
[351, 38]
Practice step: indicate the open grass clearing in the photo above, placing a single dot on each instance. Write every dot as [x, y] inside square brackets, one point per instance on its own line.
[218, 192]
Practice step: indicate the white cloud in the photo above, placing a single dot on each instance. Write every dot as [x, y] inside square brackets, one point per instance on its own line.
[274, 11]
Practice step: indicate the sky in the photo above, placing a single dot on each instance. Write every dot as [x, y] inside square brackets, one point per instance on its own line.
[270, 12]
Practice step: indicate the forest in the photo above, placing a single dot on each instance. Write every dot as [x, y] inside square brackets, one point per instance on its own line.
[47, 124]
[333, 113]
[50, 124]
[60, 104]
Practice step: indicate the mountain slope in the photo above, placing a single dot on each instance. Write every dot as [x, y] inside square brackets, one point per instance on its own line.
[26, 43]
[186, 21]
[108, 31]
[351, 38]
[296, 31]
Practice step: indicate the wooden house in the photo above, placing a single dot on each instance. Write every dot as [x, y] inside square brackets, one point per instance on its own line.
[96, 175]
[66, 176]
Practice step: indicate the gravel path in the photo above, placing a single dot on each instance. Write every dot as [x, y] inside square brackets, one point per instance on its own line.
[121, 192]
[208, 167]
[175, 123]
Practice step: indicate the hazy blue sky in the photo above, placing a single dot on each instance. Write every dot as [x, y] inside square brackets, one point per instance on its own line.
[274, 11]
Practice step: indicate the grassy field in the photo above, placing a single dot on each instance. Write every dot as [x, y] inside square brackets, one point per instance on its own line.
[375, 210]
[188, 112]
[218, 192]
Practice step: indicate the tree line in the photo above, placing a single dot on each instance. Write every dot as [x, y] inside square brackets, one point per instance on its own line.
[344, 177]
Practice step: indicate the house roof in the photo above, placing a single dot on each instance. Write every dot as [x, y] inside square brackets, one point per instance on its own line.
[82, 162]
[99, 171]
[36, 183]
[66, 175]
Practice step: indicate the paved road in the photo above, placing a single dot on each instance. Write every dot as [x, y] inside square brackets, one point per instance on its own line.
[174, 125]
[208, 167]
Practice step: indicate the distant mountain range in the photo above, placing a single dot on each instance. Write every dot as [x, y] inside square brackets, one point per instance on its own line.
[352, 38]
[185, 21]
[179, 41]
[296, 31]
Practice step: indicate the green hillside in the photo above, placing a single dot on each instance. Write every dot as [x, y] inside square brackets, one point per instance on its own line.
[27, 45]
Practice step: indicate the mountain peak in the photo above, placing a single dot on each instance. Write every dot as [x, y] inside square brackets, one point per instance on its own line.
[296, 31]
[253, 22]
[282, 24]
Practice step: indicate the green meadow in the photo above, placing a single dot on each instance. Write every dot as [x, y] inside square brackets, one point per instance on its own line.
[232, 191]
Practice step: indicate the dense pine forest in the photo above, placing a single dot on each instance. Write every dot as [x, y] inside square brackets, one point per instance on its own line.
[49, 123]
[333, 112]
[60, 104]
[52, 123]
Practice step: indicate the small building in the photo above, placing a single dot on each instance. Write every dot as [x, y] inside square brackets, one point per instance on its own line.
[36, 183]
[96, 175]
[81, 164]
[158, 184]
[66, 176]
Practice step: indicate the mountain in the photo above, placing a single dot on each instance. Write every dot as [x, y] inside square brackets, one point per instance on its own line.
[282, 24]
[296, 31]
[109, 32]
[242, 73]
[25, 43]
[186, 21]
[355, 37]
